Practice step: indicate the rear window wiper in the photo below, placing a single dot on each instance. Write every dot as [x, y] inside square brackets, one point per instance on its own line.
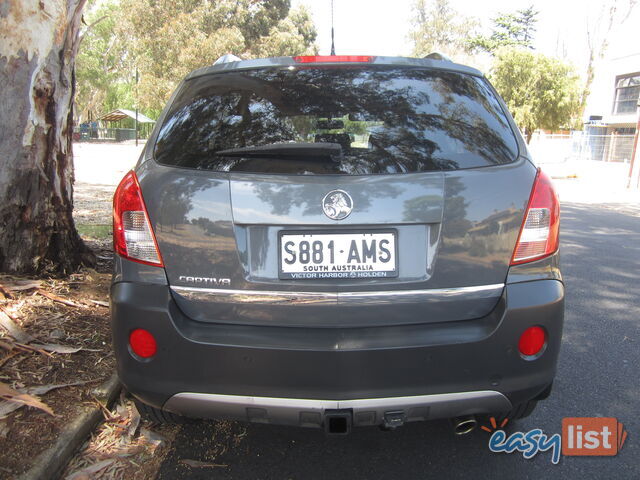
[284, 150]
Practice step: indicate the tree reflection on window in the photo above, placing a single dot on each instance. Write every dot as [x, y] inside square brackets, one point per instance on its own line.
[386, 120]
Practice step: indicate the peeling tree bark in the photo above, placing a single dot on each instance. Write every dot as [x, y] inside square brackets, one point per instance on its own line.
[37, 55]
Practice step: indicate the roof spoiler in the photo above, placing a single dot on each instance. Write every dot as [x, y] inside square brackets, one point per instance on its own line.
[438, 56]
[226, 58]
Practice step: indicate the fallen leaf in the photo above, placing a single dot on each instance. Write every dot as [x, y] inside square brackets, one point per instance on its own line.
[199, 464]
[8, 406]
[135, 422]
[152, 438]
[56, 348]
[59, 299]
[4, 293]
[105, 411]
[100, 302]
[122, 410]
[42, 389]
[13, 328]
[7, 358]
[81, 476]
[57, 334]
[29, 348]
[87, 472]
[130, 451]
[21, 285]
[21, 399]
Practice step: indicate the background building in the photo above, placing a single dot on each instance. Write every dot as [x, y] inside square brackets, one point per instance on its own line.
[611, 115]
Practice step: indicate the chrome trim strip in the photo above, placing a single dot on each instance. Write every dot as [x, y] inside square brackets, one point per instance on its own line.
[255, 296]
[287, 410]
[420, 296]
[347, 298]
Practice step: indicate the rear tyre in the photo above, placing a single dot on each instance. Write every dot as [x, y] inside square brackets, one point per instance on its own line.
[521, 410]
[157, 415]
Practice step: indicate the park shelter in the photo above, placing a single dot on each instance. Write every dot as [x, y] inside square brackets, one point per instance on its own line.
[125, 120]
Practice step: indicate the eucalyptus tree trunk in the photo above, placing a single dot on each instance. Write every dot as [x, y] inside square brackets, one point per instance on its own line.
[38, 47]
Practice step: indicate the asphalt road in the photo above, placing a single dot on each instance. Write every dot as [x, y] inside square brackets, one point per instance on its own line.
[598, 375]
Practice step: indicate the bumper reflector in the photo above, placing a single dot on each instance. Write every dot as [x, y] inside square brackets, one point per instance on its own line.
[532, 341]
[143, 343]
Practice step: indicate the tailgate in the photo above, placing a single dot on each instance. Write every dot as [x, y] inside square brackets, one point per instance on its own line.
[220, 237]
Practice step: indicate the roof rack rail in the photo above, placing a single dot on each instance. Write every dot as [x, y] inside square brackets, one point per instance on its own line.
[438, 56]
[226, 58]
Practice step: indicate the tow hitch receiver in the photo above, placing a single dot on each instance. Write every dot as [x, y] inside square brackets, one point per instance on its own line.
[394, 419]
[338, 422]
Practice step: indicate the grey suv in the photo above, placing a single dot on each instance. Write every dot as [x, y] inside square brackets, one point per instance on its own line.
[333, 242]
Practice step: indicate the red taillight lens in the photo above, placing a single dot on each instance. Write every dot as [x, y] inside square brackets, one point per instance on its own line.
[539, 235]
[133, 236]
[333, 58]
[532, 341]
[142, 343]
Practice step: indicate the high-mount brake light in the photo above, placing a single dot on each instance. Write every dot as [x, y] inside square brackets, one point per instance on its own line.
[333, 58]
[133, 236]
[539, 234]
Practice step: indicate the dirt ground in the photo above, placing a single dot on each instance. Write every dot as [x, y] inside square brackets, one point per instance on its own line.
[98, 170]
[124, 447]
[63, 344]
[92, 204]
[62, 353]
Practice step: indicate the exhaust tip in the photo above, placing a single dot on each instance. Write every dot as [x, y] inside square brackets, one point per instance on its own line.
[464, 425]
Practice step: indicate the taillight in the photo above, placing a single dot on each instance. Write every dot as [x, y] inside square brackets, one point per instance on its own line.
[539, 235]
[333, 58]
[133, 236]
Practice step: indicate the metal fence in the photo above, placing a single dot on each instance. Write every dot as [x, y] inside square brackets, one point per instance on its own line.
[582, 146]
[98, 134]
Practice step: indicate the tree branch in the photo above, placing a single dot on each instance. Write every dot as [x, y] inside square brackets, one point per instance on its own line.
[90, 26]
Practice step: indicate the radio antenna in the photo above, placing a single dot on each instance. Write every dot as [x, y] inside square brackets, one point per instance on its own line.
[333, 48]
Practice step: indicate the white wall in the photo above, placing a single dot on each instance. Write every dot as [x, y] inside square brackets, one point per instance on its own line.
[600, 101]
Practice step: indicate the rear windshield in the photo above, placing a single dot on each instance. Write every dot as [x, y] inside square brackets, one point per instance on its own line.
[339, 120]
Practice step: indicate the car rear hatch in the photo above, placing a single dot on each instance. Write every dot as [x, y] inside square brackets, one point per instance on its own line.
[336, 195]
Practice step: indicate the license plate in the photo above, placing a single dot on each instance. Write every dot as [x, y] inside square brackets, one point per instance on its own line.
[330, 255]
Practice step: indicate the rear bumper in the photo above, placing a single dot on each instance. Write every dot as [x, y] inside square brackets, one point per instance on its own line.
[293, 375]
[310, 413]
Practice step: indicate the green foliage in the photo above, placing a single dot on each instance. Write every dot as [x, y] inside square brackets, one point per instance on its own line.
[541, 92]
[509, 30]
[439, 28]
[103, 79]
[166, 39]
[294, 35]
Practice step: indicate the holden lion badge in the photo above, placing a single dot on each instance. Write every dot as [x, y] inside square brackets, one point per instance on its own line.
[337, 204]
